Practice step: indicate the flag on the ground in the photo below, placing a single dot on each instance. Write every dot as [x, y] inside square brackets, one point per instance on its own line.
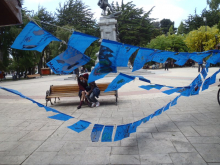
[174, 102]
[68, 61]
[119, 81]
[107, 134]
[96, 132]
[32, 37]
[133, 127]
[122, 132]
[81, 41]
[157, 113]
[167, 107]
[61, 116]
[79, 126]
[144, 120]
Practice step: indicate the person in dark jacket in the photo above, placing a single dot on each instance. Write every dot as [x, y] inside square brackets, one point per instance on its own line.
[91, 95]
[83, 88]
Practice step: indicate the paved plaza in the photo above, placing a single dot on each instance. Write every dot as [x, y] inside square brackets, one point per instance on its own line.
[188, 133]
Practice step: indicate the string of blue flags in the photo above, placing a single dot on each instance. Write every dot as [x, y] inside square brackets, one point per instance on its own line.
[112, 54]
[105, 132]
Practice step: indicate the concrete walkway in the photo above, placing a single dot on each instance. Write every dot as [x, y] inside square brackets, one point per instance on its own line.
[188, 133]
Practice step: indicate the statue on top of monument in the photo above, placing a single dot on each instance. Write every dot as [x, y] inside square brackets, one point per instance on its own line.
[103, 5]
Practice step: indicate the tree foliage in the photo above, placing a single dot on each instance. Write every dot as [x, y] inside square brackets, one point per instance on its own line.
[202, 40]
[213, 4]
[165, 25]
[135, 27]
[170, 43]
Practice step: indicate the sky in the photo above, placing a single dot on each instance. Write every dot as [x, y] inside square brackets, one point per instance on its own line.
[175, 10]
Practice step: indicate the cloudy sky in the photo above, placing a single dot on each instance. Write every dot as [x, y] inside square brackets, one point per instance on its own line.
[176, 10]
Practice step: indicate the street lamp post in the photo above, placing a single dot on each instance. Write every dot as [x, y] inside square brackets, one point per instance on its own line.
[205, 20]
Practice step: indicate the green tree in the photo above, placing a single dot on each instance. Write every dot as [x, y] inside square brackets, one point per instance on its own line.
[181, 29]
[202, 40]
[170, 43]
[135, 27]
[165, 25]
[213, 4]
[75, 13]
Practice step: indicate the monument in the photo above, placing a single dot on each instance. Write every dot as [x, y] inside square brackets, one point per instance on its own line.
[107, 23]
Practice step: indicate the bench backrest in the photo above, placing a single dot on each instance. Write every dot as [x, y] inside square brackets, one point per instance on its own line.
[70, 88]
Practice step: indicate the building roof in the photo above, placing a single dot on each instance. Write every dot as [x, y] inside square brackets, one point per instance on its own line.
[10, 12]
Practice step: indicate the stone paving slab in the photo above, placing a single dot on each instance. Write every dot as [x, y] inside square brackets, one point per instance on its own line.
[188, 133]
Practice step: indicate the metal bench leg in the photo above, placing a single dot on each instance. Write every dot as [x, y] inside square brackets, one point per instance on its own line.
[58, 98]
[51, 102]
[55, 100]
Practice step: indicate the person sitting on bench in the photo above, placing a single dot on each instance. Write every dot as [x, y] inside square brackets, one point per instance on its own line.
[83, 87]
[92, 93]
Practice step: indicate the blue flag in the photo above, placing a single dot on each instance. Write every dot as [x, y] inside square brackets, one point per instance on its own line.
[108, 55]
[32, 37]
[149, 87]
[133, 127]
[207, 66]
[119, 81]
[40, 105]
[181, 58]
[167, 107]
[49, 109]
[196, 84]
[157, 113]
[199, 56]
[161, 56]
[213, 78]
[144, 55]
[107, 60]
[204, 73]
[68, 61]
[97, 73]
[141, 78]
[81, 41]
[79, 126]
[206, 84]
[171, 91]
[124, 54]
[174, 102]
[107, 134]
[215, 58]
[122, 132]
[96, 132]
[61, 116]
[146, 119]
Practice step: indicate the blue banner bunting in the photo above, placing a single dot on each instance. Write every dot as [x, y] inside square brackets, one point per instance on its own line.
[124, 54]
[96, 132]
[199, 56]
[32, 37]
[79, 126]
[157, 113]
[167, 107]
[174, 102]
[204, 73]
[107, 134]
[215, 57]
[206, 84]
[122, 132]
[61, 116]
[68, 61]
[119, 81]
[196, 84]
[133, 127]
[146, 119]
[144, 55]
[81, 41]
[149, 87]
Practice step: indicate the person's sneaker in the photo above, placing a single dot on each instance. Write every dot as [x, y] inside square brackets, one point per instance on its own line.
[97, 104]
[93, 105]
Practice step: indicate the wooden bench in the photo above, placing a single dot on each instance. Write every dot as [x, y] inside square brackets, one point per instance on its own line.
[33, 76]
[72, 90]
